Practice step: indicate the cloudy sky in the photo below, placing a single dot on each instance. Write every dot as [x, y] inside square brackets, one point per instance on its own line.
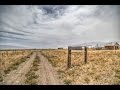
[48, 26]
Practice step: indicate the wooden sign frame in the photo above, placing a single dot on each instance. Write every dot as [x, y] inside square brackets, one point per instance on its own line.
[76, 48]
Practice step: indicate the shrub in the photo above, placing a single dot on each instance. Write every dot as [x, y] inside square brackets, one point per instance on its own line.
[68, 81]
[1, 78]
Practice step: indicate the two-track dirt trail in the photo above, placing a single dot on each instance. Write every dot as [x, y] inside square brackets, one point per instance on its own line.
[47, 74]
[17, 77]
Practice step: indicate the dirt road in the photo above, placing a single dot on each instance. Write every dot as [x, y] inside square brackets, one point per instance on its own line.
[47, 74]
[16, 77]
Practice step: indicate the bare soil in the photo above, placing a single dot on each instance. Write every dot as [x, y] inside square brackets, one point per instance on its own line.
[46, 73]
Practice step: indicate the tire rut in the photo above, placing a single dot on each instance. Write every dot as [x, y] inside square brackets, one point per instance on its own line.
[17, 77]
[47, 74]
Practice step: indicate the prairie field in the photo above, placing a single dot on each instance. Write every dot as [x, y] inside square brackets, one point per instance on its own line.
[46, 67]
[102, 68]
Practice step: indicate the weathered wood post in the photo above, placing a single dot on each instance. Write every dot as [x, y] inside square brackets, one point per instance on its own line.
[69, 58]
[115, 49]
[85, 55]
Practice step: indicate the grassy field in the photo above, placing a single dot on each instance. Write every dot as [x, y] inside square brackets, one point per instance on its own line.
[103, 66]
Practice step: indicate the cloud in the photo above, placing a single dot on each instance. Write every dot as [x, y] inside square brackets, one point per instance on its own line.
[48, 26]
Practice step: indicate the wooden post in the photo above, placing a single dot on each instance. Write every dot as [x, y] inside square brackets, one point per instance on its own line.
[85, 54]
[69, 58]
[115, 49]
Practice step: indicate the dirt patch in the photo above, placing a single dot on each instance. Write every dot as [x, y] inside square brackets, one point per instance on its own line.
[47, 74]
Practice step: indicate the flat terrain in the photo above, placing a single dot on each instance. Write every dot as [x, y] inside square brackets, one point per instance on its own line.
[103, 67]
[49, 67]
[18, 76]
[46, 73]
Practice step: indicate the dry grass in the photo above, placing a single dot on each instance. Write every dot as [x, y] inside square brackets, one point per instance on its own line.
[15, 65]
[31, 74]
[102, 68]
[1, 77]
[31, 78]
[9, 60]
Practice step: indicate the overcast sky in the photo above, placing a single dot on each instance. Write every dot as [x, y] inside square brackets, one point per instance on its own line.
[48, 26]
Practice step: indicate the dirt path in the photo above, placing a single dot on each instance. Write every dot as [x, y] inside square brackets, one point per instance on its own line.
[17, 76]
[47, 74]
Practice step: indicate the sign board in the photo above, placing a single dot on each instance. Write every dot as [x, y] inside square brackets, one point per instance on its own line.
[75, 48]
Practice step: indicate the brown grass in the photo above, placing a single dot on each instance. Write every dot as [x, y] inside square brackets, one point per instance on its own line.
[31, 74]
[9, 60]
[102, 68]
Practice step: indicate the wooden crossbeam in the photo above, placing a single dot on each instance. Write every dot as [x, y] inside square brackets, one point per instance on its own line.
[76, 48]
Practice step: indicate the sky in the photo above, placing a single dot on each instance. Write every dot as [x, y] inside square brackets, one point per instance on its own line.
[53, 26]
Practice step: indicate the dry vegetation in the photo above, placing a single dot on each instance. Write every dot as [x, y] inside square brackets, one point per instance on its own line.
[9, 60]
[103, 67]
[31, 74]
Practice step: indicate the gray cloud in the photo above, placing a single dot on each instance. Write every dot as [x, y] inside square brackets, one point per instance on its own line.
[46, 26]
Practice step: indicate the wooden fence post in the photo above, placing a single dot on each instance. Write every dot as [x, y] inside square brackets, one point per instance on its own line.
[69, 58]
[85, 54]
